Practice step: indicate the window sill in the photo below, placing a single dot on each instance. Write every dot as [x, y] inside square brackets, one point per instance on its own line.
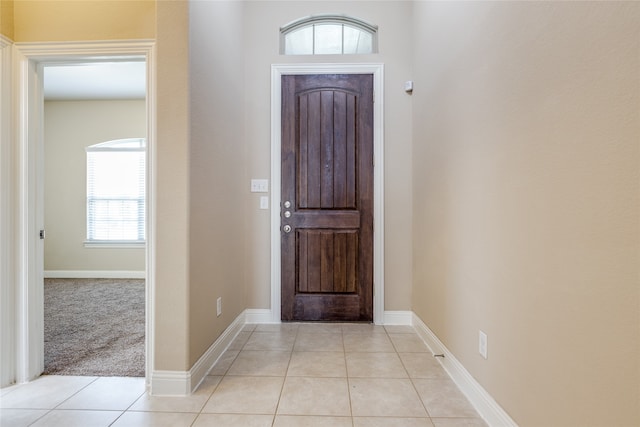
[114, 244]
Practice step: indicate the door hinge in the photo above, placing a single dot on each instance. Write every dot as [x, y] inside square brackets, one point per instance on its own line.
[42, 234]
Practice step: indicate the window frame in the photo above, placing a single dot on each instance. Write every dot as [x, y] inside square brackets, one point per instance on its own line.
[117, 146]
[335, 19]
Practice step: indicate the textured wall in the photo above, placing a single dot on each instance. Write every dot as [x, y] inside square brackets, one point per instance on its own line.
[218, 188]
[526, 196]
[6, 18]
[64, 20]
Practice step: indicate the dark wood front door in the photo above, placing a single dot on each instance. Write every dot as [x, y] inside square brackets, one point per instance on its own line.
[327, 197]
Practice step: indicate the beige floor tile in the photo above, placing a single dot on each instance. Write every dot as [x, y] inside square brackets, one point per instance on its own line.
[317, 364]
[369, 342]
[384, 398]
[314, 396]
[422, 365]
[375, 365]
[245, 395]
[319, 342]
[20, 417]
[107, 394]
[249, 327]
[233, 420]
[315, 328]
[224, 362]
[359, 328]
[192, 403]
[6, 390]
[278, 327]
[442, 398]
[458, 422]
[311, 421]
[391, 422]
[46, 392]
[277, 341]
[408, 343]
[239, 341]
[154, 419]
[399, 329]
[260, 363]
[73, 418]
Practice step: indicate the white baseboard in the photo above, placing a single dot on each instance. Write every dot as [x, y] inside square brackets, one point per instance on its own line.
[179, 383]
[486, 406]
[170, 383]
[259, 315]
[397, 317]
[93, 274]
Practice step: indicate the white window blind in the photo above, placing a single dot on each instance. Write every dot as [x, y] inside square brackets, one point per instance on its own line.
[116, 191]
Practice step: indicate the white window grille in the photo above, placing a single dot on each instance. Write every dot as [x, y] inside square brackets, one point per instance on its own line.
[328, 34]
[116, 208]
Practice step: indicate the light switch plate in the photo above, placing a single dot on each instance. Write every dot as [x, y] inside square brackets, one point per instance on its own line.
[259, 185]
[264, 202]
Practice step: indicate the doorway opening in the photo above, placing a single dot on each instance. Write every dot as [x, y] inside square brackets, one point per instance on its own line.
[94, 145]
[32, 60]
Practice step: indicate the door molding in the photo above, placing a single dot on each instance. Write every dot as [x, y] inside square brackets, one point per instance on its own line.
[7, 290]
[377, 70]
[30, 59]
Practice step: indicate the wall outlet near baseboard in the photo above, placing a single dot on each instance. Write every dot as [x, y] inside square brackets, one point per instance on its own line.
[482, 344]
[219, 307]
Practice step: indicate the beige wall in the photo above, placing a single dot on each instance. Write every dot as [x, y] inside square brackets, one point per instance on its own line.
[526, 201]
[6, 18]
[217, 171]
[261, 47]
[70, 127]
[62, 20]
[172, 301]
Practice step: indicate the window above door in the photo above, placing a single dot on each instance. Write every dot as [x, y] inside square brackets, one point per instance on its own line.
[327, 35]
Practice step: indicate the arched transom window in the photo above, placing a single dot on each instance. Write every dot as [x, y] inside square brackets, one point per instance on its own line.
[328, 34]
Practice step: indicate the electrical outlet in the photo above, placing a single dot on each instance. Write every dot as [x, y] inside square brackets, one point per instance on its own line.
[482, 344]
[219, 307]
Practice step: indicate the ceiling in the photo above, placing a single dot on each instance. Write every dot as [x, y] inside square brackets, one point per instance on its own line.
[96, 80]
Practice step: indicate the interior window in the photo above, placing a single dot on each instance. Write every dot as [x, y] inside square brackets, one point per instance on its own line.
[116, 191]
[328, 34]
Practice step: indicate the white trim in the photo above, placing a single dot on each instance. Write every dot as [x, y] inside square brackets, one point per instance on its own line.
[277, 71]
[398, 317]
[486, 406]
[30, 59]
[114, 244]
[93, 274]
[179, 383]
[170, 383]
[7, 202]
[259, 315]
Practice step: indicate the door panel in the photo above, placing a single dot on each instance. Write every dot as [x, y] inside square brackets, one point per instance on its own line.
[327, 180]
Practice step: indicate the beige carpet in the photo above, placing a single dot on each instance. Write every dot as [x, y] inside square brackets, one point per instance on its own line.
[94, 327]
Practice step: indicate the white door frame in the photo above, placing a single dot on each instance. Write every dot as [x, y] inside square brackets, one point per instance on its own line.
[7, 279]
[377, 70]
[30, 59]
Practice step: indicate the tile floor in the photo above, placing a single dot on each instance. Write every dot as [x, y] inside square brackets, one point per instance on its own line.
[289, 375]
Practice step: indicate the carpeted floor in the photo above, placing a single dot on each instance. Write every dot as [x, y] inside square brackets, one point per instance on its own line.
[94, 327]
